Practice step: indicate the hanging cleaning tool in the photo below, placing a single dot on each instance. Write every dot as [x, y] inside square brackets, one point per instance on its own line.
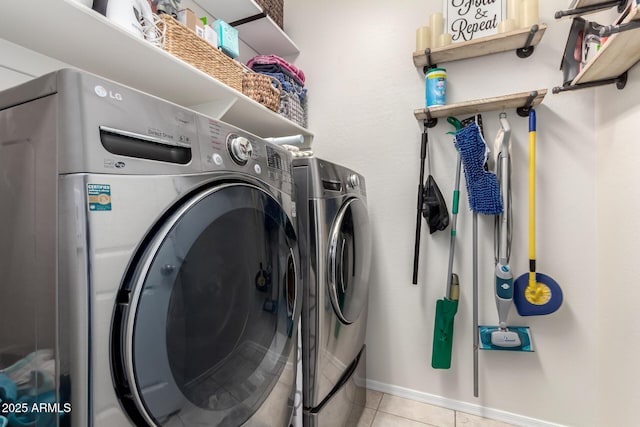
[416, 250]
[477, 121]
[501, 337]
[535, 294]
[431, 204]
[447, 307]
[482, 185]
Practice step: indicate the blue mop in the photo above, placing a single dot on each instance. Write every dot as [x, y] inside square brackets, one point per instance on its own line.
[482, 186]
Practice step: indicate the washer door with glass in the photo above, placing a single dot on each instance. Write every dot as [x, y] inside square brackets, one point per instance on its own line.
[349, 260]
[206, 325]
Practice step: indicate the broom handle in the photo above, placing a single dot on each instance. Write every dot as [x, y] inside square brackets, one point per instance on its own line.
[532, 198]
[476, 338]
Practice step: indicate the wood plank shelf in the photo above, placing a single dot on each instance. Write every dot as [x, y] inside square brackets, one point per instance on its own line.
[482, 46]
[521, 101]
[620, 52]
[262, 34]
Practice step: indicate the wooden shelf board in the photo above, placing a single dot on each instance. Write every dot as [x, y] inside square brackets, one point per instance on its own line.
[265, 37]
[483, 46]
[262, 35]
[504, 102]
[620, 52]
[230, 11]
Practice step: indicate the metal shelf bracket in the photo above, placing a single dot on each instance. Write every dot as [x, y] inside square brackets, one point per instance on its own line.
[620, 82]
[527, 49]
[430, 122]
[526, 108]
[592, 8]
[606, 31]
[430, 65]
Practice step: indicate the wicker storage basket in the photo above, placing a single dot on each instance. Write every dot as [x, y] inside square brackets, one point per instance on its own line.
[275, 10]
[261, 88]
[293, 109]
[186, 45]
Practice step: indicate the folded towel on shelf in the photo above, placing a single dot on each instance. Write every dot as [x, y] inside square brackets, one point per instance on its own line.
[275, 68]
[288, 85]
[276, 60]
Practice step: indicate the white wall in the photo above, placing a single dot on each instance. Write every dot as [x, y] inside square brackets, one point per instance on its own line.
[618, 242]
[363, 90]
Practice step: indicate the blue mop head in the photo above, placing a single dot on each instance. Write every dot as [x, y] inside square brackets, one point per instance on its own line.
[482, 186]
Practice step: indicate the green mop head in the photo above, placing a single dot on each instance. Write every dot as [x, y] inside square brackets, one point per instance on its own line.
[482, 186]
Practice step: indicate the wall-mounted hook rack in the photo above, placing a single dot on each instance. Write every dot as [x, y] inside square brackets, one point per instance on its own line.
[620, 82]
[591, 8]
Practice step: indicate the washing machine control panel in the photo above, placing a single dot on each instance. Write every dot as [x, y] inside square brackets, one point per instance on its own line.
[240, 148]
[224, 147]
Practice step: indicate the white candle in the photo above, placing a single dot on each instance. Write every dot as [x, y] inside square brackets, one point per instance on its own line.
[506, 26]
[423, 39]
[445, 39]
[436, 22]
[529, 13]
[513, 11]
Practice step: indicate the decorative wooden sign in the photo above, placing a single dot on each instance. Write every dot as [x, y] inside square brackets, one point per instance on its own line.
[471, 19]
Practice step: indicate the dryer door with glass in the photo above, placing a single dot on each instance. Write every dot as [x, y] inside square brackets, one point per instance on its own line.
[349, 260]
[204, 329]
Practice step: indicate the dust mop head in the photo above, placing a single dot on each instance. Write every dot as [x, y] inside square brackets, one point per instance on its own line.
[513, 338]
[482, 186]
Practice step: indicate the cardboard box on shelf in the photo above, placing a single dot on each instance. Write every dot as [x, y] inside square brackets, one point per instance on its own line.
[188, 18]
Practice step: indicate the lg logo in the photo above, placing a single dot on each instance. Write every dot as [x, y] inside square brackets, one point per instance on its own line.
[103, 93]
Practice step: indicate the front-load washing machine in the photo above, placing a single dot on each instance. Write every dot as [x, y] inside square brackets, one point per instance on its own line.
[335, 251]
[149, 262]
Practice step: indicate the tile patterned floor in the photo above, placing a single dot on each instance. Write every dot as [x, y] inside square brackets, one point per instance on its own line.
[385, 410]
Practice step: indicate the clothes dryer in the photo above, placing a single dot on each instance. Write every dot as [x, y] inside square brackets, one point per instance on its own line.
[149, 259]
[336, 254]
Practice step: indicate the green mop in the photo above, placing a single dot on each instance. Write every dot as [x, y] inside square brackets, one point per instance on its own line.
[501, 337]
[447, 307]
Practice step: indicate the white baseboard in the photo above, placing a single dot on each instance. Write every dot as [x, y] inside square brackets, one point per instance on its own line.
[469, 408]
